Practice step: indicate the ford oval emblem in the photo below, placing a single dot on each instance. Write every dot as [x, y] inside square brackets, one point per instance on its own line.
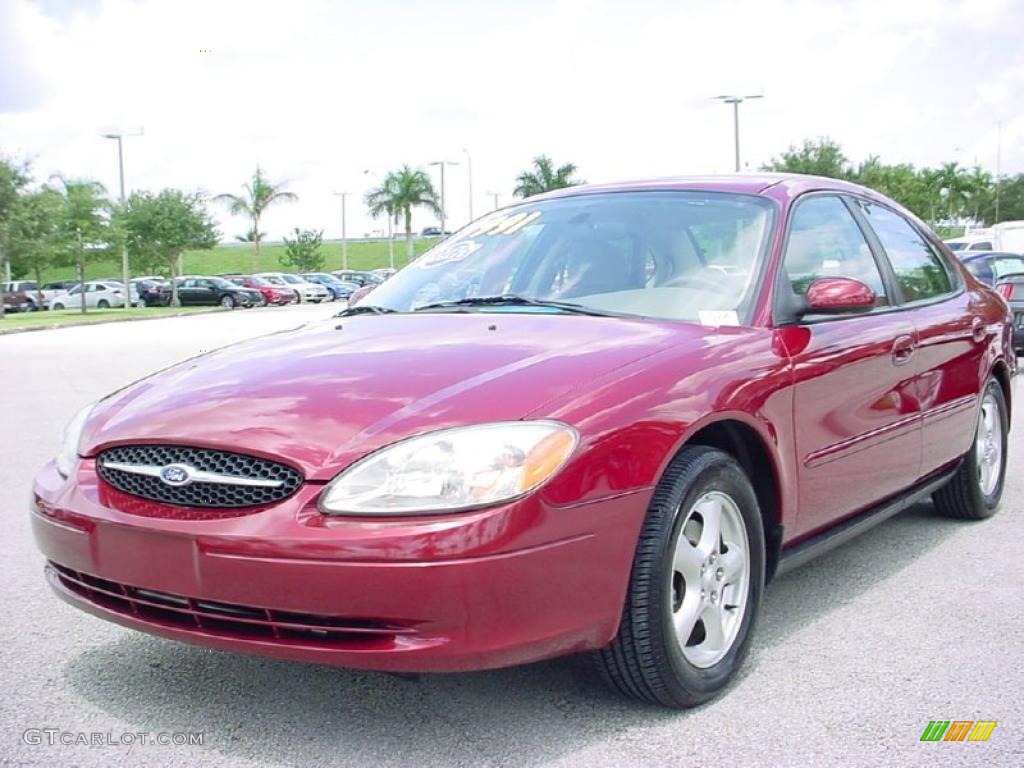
[176, 474]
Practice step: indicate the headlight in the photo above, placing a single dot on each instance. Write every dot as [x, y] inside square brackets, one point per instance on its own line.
[67, 453]
[452, 469]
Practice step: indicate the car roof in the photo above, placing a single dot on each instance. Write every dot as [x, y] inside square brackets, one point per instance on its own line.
[972, 255]
[788, 185]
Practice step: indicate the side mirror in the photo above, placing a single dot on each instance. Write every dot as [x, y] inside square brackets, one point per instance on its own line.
[838, 295]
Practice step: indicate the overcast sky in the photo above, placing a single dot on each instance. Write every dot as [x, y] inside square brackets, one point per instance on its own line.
[316, 92]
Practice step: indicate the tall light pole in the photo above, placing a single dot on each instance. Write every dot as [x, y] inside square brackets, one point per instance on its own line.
[495, 196]
[391, 239]
[999, 162]
[469, 180]
[344, 235]
[736, 101]
[442, 164]
[119, 135]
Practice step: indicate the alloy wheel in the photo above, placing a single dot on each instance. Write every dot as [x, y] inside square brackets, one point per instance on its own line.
[988, 445]
[710, 579]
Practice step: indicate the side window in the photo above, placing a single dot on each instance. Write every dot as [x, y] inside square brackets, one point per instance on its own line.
[919, 270]
[825, 241]
[986, 246]
[1007, 265]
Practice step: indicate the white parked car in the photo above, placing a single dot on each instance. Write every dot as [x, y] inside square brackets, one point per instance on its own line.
[98, 295]
[305, 290]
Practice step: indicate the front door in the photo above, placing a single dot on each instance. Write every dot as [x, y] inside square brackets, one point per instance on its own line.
[856, 415]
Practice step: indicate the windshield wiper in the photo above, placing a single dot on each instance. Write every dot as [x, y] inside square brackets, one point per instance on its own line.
[365, 309]
[511, 300]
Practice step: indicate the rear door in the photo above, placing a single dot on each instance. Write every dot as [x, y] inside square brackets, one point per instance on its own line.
[856, 417]
[952, 336]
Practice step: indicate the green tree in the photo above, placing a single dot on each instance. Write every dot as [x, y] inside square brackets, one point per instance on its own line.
[83, 233]
[398, 194]
[259, 195]
[13, 179]
[817, 157]
[33, 238]
[544, 177]
[302, 251]
[159, 228]
[1011, 201]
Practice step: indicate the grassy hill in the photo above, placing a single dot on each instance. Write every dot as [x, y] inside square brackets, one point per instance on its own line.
[238, 258]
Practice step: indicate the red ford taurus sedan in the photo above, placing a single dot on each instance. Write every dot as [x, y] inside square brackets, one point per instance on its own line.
[599, 420]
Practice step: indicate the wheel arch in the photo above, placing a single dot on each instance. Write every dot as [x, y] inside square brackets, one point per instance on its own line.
[753, 453]
[1001, 372]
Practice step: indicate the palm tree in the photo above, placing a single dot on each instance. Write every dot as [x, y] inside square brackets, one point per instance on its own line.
[544, 177]
[398, 194]
[259, 195]
[251, 236]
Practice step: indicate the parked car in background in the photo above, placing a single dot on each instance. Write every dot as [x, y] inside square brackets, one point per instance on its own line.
[1007, 236]
[35, 297]
[597, 448]
[277, 295]
[15, 300]
[303, 289]
[358, 277]
[1011, 288]
[384, 272]
[198, 290]
[339, 289]
[990, 267]
[51, 289]
[153, 292]
[97, 294]
[360, 293]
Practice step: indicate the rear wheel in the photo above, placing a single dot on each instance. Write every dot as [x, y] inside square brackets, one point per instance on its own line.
[103, 304]
[57, 306]
[695, 586]
[973, 493]
[227, 302]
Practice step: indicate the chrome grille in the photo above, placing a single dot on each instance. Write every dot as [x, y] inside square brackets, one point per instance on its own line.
[277, 480]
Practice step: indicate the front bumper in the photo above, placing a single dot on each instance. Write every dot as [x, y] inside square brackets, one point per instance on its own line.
[490, 588]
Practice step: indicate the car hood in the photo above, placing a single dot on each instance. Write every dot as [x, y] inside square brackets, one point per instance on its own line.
[321, 396]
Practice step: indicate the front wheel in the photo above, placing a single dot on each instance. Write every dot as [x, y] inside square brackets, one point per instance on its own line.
[695, 586]
[973, 493]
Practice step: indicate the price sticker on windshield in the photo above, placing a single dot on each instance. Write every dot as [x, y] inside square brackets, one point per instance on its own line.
[448, 252]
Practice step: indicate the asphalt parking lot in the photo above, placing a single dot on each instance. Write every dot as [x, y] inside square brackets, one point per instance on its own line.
[920, 619]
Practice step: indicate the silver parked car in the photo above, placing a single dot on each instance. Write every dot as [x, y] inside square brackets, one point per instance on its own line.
[97, 295]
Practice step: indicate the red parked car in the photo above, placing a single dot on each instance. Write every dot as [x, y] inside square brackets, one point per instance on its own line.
[273, 294]
[599, 420]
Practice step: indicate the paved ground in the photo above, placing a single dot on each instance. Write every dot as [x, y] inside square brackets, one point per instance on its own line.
[919, 619]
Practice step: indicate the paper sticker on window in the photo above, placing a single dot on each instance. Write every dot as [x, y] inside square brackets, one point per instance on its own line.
[718, 317]
[448, 252]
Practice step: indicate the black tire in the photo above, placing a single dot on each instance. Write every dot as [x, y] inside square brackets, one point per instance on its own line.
[102, 304]
[963, 497]
[227, 302]
[57, 306]
[645, 661]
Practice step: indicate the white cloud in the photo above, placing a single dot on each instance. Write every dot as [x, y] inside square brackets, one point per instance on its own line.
[318, 91]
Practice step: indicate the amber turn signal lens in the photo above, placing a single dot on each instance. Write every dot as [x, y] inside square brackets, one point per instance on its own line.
[545, 459]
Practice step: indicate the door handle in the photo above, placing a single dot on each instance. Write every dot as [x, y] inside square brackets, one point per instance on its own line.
[903, 350]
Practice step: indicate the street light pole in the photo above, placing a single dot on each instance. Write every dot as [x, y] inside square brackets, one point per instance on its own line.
[120, 172]
[344, 232]
[469, 178]
[495, 196]
[442, 164]
[736, 101]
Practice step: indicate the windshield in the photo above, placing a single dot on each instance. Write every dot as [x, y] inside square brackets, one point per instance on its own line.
[221, 283]
[956, 246]
[254, 281]
[292, 278]
[690, 256]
